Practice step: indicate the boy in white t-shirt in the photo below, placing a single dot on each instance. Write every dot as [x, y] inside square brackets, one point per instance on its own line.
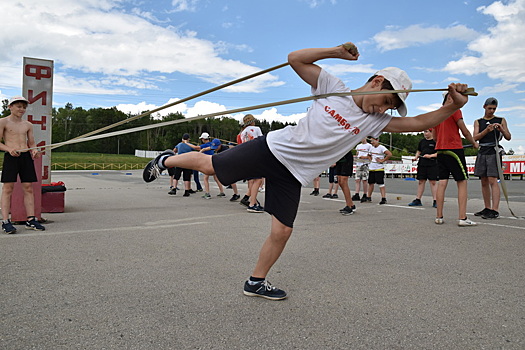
[291, 157]
[380, 154]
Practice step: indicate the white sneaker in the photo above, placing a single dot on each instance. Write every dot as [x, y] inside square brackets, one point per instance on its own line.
[439, 221]
[466, 222]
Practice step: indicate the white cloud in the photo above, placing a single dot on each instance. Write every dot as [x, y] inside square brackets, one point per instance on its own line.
[394, 38]
[184, 5]
[500, 52]
[99, 38]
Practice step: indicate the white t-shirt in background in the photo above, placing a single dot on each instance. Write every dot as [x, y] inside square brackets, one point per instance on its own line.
[377, 153]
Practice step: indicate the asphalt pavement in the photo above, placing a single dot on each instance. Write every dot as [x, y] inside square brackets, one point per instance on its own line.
[127, 266]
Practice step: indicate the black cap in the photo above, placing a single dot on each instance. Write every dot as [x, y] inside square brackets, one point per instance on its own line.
[491, 101]
[186, 136]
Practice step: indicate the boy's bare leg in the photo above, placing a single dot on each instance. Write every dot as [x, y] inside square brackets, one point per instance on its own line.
[382, 190]
[7, 192]
[420, 188]
[485, 191]
[29, 198]
[370, 189]
[206, 183]
[343, 183]
[433, 188]
[221, 187]
[192, 160]
[495, 193]
[440, 197]
[272, 248]
[254, 190]
[462, 198]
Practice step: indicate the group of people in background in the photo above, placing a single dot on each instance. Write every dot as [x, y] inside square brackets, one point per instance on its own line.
[213, 146]
[440, 154]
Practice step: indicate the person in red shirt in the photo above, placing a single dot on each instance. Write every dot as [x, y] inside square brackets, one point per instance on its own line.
[451, 161]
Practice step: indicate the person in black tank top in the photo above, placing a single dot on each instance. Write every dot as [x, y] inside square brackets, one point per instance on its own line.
[488, 131]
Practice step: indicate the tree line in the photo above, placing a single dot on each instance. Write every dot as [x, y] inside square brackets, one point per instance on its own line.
[69, 122]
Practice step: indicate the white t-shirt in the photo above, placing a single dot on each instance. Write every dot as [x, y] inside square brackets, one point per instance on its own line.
[250, 132]
[377, 153]
[363, 150]
[332, 127]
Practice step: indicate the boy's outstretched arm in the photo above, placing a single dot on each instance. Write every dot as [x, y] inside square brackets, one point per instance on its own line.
[302, 61]
[431, 119]
[466, 133]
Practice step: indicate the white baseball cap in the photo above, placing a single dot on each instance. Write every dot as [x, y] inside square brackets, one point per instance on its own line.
[204, 135]
[17, 99]
[400, 81]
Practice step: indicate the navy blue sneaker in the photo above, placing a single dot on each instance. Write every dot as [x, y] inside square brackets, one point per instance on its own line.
[415, 203]
[33, 224]
[152, 170]
[264, 290]
[8, 227]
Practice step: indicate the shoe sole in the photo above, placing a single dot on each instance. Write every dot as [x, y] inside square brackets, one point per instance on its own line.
[10, 232]
[254, 211]
[34, 228]
[250, 294]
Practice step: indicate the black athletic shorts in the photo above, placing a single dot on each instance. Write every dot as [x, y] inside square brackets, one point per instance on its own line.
[344, 169]
[186, 174]
[22, 166]
[171, 171]
[253, 159]
[453, 162]
[376, 177]
[427, 172]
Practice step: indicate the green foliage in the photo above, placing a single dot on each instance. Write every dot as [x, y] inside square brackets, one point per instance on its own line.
[70, 122]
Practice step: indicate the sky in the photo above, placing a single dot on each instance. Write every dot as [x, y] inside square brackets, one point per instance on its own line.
[138, 55]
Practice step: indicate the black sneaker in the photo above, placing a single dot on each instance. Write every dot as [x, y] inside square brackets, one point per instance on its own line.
[8, 227]
[245, 201]
[346, 211]
[328, 195]
[383, 201]
[335, 195]
[353, 208]
[482, 212]
[33, 224]
[255, 209]
[490, 214]
[191, 191]
[356, 197]
[364, 199]
[314, 193]
[173, 191]
[152, 170]
[234, 197]
[264, 290]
